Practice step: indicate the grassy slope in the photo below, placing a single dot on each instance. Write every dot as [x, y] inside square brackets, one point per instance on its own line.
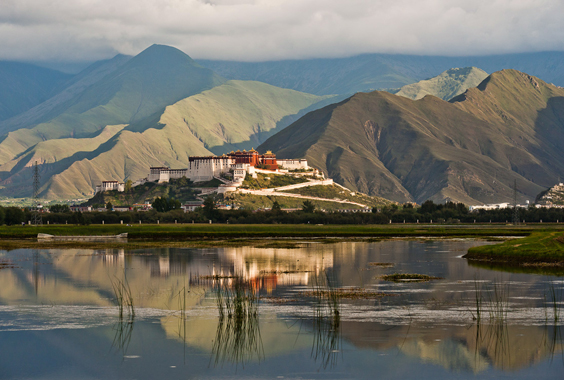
[266, 181]
[254, 202]
[447, 85]
[236, 115]
[184, 129]
[469, 150]
[546, 247]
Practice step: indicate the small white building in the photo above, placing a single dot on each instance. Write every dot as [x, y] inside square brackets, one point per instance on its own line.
[192, 206]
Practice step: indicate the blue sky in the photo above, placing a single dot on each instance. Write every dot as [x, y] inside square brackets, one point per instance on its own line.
[250, 30]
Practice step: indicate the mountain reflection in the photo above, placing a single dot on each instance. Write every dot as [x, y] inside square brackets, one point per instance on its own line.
[234, 319]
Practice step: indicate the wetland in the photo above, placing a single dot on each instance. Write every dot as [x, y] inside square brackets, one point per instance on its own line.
[317, 309]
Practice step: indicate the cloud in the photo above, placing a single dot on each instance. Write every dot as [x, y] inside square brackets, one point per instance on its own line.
[79, 30]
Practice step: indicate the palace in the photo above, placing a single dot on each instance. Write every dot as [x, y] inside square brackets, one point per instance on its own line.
[235, 165]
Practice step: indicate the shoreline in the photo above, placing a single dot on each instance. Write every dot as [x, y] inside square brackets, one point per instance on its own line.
[538, 245]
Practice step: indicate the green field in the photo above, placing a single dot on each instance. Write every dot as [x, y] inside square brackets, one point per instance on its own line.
[539, 247]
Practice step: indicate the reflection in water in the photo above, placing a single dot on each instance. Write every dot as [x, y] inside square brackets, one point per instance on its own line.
[326, 322]
[208, 301]
[237, 338]
[123, 332]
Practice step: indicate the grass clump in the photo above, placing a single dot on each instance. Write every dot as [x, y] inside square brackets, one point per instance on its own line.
[382, 265]
[399, 277]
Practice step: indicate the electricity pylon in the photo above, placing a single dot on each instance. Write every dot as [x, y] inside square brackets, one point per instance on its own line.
[35, 214]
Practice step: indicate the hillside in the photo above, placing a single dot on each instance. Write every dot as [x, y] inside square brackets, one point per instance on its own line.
[369, 72]
[446, 86]
[470, 149]
[145, 84]
[23, 86]
[182, 190]
[230, 116]
[553, 196]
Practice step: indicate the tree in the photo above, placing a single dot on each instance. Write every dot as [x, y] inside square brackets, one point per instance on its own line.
[13, 215]
[276, 207]
[209, 207]
[164, 204]
[308, 206]
[59, 208]
[128, 186]
[109, 206]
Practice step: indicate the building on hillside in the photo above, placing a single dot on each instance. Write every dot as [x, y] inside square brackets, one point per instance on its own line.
[143, 206]
[81, 208]
[122, 208]
[496, 206]
[109, 186]
[192, 206]
[162, 174]
[235, 165]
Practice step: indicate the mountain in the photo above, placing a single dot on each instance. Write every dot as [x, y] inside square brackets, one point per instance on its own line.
[446, 86]
[23, 86]
[234, 115]
[369, 72]
[135, 90]
[471, 149]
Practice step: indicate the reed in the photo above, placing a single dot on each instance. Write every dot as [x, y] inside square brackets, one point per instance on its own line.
[238, 338]
[123, 297]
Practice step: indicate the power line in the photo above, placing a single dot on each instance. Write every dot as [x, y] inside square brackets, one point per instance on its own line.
[515, 209]
[35, 214]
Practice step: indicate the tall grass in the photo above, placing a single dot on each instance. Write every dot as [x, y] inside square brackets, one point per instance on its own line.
[123, 297]
[237, 338]
[326, 321]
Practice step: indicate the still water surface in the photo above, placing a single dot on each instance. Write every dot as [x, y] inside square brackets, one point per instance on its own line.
[261, 316]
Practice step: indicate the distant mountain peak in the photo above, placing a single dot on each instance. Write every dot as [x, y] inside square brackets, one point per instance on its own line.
[446, 85]
[163, 51]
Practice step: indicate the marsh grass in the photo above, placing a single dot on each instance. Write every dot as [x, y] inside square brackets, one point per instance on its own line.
[326, 321]
[123, 297]
[494, 302]
[237, 338]
[555, 298]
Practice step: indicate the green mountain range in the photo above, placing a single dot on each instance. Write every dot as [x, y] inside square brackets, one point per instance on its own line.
[470, 149]
[446, 86]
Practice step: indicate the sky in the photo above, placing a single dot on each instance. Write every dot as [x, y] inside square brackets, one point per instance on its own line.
[261, 30]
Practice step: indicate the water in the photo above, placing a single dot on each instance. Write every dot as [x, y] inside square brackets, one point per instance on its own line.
[58, 314]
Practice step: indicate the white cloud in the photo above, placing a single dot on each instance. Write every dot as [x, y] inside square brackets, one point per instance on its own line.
[276, 29]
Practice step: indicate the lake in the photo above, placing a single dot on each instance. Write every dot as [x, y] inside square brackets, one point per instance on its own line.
[316, 311]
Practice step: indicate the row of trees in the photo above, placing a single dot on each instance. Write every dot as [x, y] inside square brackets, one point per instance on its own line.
[169, 212]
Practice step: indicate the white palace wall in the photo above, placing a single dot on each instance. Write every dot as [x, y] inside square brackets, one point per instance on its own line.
[204, 169]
